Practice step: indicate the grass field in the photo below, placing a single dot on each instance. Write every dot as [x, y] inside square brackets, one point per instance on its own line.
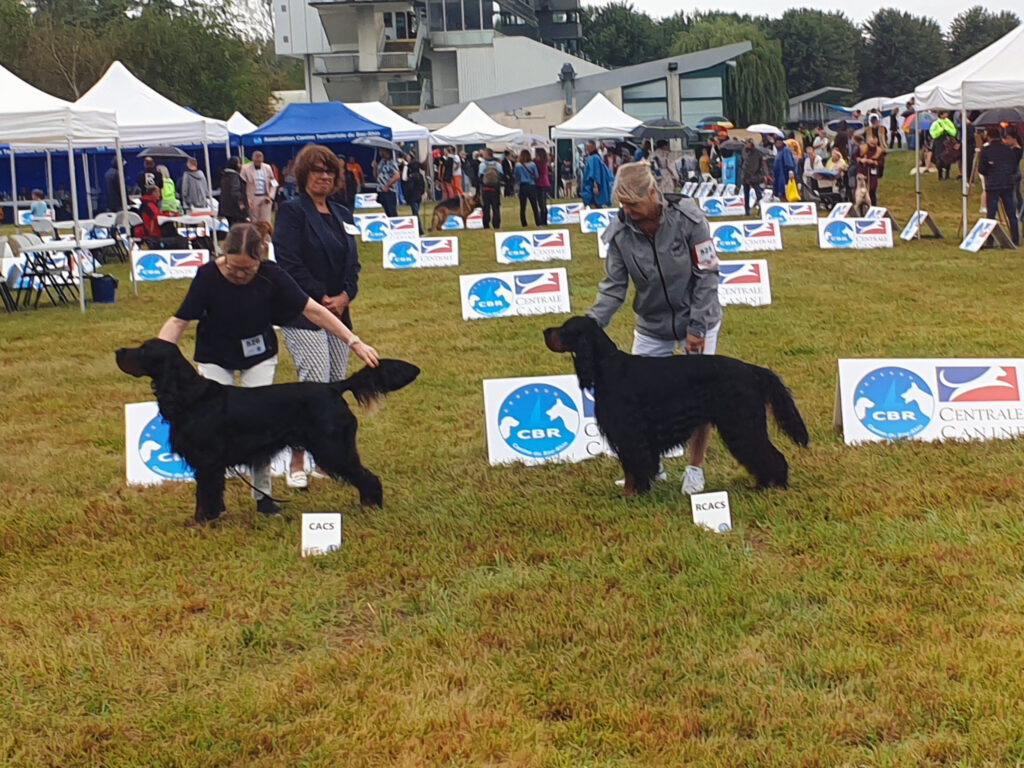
[872, 615]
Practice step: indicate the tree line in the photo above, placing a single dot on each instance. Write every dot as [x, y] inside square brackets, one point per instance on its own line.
[801, 51]
[213, 57]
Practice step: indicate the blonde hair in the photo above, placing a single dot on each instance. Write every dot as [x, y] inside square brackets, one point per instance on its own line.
[634, 182]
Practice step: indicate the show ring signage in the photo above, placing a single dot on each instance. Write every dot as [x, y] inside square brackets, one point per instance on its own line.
[918, 221]
[840, 211]
[508, 294]
[167, 265]
[711, 511]
[399, 228]
[744, 282]
[790, 214]
[321, 533]
[367, 200]
[541, 245]
[423, 252]
[456, 222]
[982, 232]
[565, 213]
[855, 233]
[475, 220]
[596, 220]
[746, 236]
[930, 399]
[363, 220]
[730, 205]
[539, 420]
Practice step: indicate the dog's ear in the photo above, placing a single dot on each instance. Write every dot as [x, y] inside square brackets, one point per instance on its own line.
[584, 358]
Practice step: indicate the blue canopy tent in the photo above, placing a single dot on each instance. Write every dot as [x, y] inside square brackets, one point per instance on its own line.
[326, 122]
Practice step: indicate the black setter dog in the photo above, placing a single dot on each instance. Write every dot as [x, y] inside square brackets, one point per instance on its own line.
[646, 406]
[214, 427]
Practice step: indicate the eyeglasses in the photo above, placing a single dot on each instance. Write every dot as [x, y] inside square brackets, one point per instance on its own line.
[323, 171]
[241, 271]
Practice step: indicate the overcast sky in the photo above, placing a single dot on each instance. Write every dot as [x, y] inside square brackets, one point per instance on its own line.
[942, 11]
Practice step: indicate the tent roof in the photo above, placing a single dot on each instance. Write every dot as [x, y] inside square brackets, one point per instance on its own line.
[31, 116]
[473, 126]
[326, 121]
[600, 119]
[144, 116]
[239, 125]
[401, 129]
[990, 78]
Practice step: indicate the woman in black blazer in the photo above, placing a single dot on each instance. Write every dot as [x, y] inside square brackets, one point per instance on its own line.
[314, 243]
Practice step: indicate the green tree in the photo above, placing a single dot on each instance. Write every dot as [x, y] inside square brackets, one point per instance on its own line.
[617, 35]
[756, 87]
[975, 29]
[818, 49]
[16, 23]
[900, 52]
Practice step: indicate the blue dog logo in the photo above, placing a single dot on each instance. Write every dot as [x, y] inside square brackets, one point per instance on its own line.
[778, 213]
[728, 238]
[538, 420]
[839, 234]
[157, 454]
[893, 402]
[713, 207]
[153, 267]
[516, 248]
[403, 254]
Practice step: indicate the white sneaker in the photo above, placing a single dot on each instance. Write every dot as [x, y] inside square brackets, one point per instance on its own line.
[693, 480]
[661, 477]
[297, 480]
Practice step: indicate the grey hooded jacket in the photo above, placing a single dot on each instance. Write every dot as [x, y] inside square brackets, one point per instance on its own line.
[676, 292]
[193, 190]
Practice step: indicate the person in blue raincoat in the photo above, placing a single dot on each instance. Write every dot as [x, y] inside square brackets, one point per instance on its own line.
[784, 164]
[596, 187]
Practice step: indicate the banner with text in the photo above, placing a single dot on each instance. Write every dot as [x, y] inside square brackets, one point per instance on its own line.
[542, 245]
[731, 205]
[367, 200]
[167, 265]
[508, 294]
[398, 228]
[746, 236]
[595, 220]
[744, 282]
[790, 214]
[855, 233]
[424, 252]
[565, 213]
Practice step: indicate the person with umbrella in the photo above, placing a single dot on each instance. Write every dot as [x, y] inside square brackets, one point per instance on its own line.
[783, 167]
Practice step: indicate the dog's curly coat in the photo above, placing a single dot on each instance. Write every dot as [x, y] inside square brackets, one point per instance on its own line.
[214, 426]
[646, 406]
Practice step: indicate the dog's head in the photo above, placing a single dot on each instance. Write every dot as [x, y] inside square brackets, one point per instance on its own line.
[148, 359]
[583, 337]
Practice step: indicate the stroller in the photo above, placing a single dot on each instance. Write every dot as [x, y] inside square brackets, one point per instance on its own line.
[825, 192]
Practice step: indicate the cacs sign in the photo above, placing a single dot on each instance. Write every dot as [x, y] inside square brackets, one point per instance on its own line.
[541, 419]
[321, 533]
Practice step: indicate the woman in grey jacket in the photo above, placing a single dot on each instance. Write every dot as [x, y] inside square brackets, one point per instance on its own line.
[193, 187]
[667, 251]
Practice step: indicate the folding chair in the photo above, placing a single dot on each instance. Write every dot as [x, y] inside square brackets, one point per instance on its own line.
[12, 276]
[104, 226]
[41, 273]
[44, 229]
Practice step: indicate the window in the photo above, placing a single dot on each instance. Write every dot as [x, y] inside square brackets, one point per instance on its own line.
[654, 89]
[559, 17]
[472, 11]
[646, 101]
[693, 110]
[700, 87]
[453, 15]
[435, 15]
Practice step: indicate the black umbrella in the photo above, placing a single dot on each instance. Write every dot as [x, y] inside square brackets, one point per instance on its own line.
[731, 145]
[163, 153]
[665, 129]
[1001, 115]
[377, 141]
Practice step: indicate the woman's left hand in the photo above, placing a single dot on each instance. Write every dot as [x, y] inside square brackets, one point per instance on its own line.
[366, 353]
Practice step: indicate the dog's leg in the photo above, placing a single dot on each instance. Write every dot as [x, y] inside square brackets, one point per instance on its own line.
[345, 464]
[748, 442]
[209, 493]
[639, 469]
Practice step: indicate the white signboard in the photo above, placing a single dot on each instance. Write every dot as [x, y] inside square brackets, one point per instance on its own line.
[595, 220]
[367, 200]
[840, 211]
[930, 399]
[711, 510]
[424, 252]
[363, 220]
[565, 213]
[981, 232]
[744, 282]
[399, 228]
[540, 419]
[705, 189]
[167, 265]
[475, 220]
[149, 458]
[731, 205]
[688, 189]
[855, 233]
[456, 222]
[507, 294]
[790, 214]
[877, 212]
[602, 245]
[746, 236]
[321, 533]
[542, 245]
[918, 221]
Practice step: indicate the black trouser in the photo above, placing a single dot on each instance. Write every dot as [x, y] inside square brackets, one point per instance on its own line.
[1009, 198]
[490, 197]
[896, 137]
[542, 203]
[746, 195]
[389, 202]
[528, 192]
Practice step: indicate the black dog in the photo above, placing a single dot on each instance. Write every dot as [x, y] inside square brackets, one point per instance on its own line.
[645, 406]
[214, 427]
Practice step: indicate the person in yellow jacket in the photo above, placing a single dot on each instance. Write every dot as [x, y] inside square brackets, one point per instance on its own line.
[942, 130]
[168, 193]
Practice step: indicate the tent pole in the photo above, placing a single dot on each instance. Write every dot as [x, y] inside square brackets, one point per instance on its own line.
[963, 164]
[14, 193]
[917, 163]
[209, 193]
[88, 183]
[74, 215]
[124, 211]
[49, 180]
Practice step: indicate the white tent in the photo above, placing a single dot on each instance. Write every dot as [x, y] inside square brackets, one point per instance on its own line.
[990, 78]
[401, 129]
[600, 119]
[145, 116]
[31, 116]
[474, 126]
[239, 125]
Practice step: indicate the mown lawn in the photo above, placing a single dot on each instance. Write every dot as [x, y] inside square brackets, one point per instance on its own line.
[871, 615]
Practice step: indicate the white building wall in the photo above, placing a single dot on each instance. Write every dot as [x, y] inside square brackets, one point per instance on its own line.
[297, 29]
[513, 64]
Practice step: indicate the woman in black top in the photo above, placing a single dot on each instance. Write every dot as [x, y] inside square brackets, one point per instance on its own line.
[237, 299]
[314, 243]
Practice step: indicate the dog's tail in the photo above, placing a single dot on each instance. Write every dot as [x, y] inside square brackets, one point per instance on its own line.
[778, 396]
[369, 385]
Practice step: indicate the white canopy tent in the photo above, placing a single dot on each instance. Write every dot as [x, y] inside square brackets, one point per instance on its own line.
[33, 118]
[474, 126]
[990, 78]
[599, 119]
[239, 125]
[401, 129]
